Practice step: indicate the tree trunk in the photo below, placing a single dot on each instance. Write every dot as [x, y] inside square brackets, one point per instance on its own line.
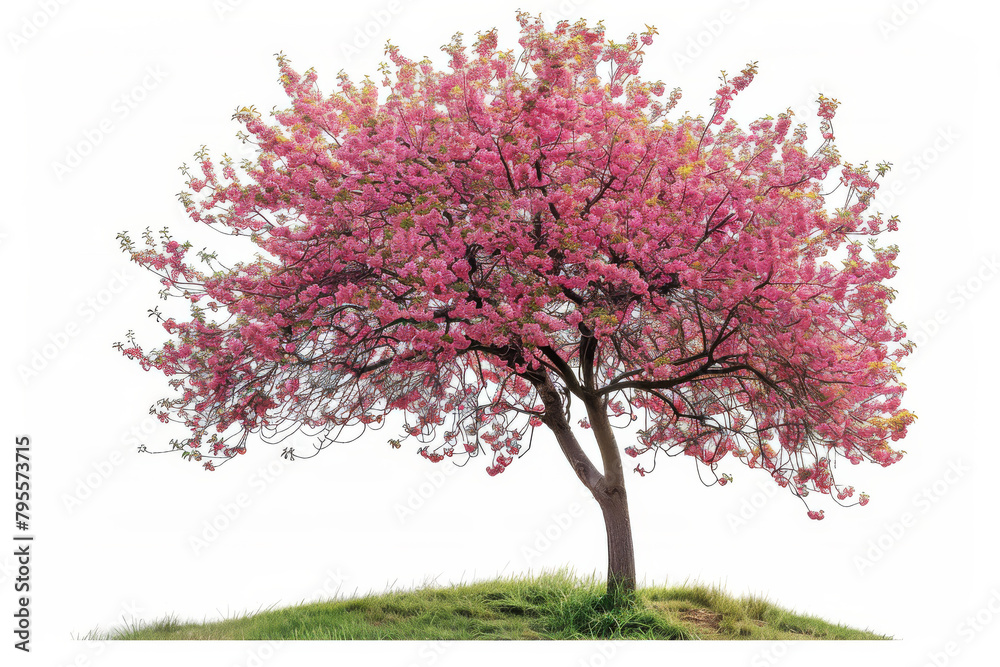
[608, 489]
[621, 554]
[610, 495]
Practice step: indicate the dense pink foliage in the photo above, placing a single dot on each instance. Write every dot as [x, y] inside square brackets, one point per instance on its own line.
[437, 244]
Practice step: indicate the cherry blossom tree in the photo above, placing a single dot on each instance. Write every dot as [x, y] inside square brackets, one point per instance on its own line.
[480, 247]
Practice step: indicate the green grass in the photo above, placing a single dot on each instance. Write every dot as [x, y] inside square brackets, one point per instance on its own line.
[549, 606]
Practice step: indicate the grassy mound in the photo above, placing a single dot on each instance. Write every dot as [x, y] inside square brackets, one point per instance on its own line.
[549, 606]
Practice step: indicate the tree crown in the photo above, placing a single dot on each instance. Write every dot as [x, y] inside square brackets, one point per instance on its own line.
[450, 243]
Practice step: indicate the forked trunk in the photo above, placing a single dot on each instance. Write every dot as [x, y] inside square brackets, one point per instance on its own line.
[608, 488]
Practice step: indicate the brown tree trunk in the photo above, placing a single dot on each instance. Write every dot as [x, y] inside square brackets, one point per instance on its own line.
[610, 495]
[621, 554]
[608, 489]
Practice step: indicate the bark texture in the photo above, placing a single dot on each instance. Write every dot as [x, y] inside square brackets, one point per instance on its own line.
[608, 488]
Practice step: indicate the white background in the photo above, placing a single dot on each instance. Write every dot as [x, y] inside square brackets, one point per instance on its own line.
[116, 531]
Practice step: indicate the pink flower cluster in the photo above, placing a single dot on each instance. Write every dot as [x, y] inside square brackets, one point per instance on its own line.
[459, 242]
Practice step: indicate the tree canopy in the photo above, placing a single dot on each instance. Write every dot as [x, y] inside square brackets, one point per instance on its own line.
[476, 247]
